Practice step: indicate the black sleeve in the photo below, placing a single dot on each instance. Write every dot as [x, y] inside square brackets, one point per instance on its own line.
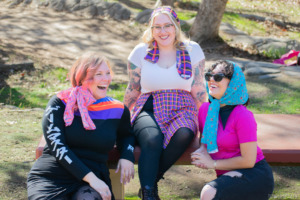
[125, 137]
[54, 132]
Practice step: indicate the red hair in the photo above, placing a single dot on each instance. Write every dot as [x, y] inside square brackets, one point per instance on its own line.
[84, 68]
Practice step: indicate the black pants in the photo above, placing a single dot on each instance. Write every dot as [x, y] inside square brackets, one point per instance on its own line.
[255, 183]
[154, 161]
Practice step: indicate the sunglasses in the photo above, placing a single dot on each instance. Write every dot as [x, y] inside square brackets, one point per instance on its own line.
[217, 77]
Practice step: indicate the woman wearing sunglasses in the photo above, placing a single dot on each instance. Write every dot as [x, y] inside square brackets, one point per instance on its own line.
[164, 90]
[229, 139]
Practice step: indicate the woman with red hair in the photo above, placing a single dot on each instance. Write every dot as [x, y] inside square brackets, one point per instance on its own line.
[81, 125]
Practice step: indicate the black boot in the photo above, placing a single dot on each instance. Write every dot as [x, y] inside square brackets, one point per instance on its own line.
[159, 176]
[155, 192]
[147, 193]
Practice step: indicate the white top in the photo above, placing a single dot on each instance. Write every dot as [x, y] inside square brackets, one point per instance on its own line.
[154, 77]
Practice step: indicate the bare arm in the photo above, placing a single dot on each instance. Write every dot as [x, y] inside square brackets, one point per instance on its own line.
[247, 159]
[133, 89]
[198, 87]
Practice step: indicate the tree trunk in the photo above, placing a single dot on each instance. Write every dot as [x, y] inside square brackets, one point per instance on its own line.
[208, 20]
[164, 3]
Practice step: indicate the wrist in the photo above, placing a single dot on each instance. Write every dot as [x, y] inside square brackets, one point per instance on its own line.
[215, 164]
[89, 177]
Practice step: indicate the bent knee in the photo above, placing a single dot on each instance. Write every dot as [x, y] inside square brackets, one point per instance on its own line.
[208, 192]
[184, 133]
[233, 174]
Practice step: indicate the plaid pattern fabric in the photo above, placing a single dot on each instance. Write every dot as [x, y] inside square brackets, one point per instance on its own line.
[153, 54]
[184, 65]
[167, 9]
[173, 109]
[183, 60]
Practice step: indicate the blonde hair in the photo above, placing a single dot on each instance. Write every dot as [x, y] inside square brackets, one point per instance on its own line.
[84, 68]
[179, 35]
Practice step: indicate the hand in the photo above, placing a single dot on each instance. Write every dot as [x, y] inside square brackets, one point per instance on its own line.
[201, 149]
[200, 158]
[127, 170]
[98, 185]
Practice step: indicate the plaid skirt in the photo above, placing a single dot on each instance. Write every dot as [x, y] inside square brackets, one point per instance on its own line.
[173, 109]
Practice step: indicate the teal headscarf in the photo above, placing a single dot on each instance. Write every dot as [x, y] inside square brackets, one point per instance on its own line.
[235, 94]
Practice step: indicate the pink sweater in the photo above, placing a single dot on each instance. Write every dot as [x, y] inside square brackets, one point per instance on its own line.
[240, 128]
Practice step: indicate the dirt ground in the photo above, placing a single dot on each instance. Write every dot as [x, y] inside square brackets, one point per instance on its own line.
[57, 39]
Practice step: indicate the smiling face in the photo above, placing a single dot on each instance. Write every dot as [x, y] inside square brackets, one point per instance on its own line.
[217, 89]
[166, 36]
[100, 81]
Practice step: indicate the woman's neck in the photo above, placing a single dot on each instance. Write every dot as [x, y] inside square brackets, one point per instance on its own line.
[166, 48]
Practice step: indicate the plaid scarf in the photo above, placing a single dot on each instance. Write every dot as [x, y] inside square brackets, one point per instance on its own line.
[167, 9]
[183, 60]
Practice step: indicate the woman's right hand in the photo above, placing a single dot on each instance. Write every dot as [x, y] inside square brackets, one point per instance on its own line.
[197, 155]
[201, 149]
[98, 185]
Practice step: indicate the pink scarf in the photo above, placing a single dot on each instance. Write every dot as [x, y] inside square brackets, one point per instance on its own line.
[78, 98]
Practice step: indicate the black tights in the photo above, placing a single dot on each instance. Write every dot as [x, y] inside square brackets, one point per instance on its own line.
[154, 161]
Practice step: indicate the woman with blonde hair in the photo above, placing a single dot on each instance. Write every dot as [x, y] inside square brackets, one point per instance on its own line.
[81, 125]
[164, 91]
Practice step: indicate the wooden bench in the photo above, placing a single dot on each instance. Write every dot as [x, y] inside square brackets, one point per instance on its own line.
[278, 137]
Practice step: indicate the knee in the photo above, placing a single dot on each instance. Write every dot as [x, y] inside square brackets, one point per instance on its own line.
[208, 193]
[233, 174]
[184, 134]
[152, 144]
[153, 141]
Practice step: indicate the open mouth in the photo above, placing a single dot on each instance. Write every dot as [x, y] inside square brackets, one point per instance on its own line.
[164, 37]
[102, 87]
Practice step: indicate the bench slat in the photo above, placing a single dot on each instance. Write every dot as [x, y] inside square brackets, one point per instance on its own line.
[278, 137]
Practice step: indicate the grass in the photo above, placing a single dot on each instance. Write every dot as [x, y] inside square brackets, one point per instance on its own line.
[186, 15]
[274, 53]
[244, 24]
[34, 89]
[280, 9]
[258, 28]
[278, 95]
[20, 130]
[285, 11]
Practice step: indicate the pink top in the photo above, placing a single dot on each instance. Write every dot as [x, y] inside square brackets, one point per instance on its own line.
[240, 128]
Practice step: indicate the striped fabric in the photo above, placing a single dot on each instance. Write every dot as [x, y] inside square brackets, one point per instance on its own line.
[105, 108]
[183, 60]
[173, 109]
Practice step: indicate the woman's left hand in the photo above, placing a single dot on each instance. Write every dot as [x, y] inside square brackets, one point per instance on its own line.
[202, 159]
[127, 170]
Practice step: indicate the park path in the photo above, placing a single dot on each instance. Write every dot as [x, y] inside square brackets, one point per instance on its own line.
[59, 38]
